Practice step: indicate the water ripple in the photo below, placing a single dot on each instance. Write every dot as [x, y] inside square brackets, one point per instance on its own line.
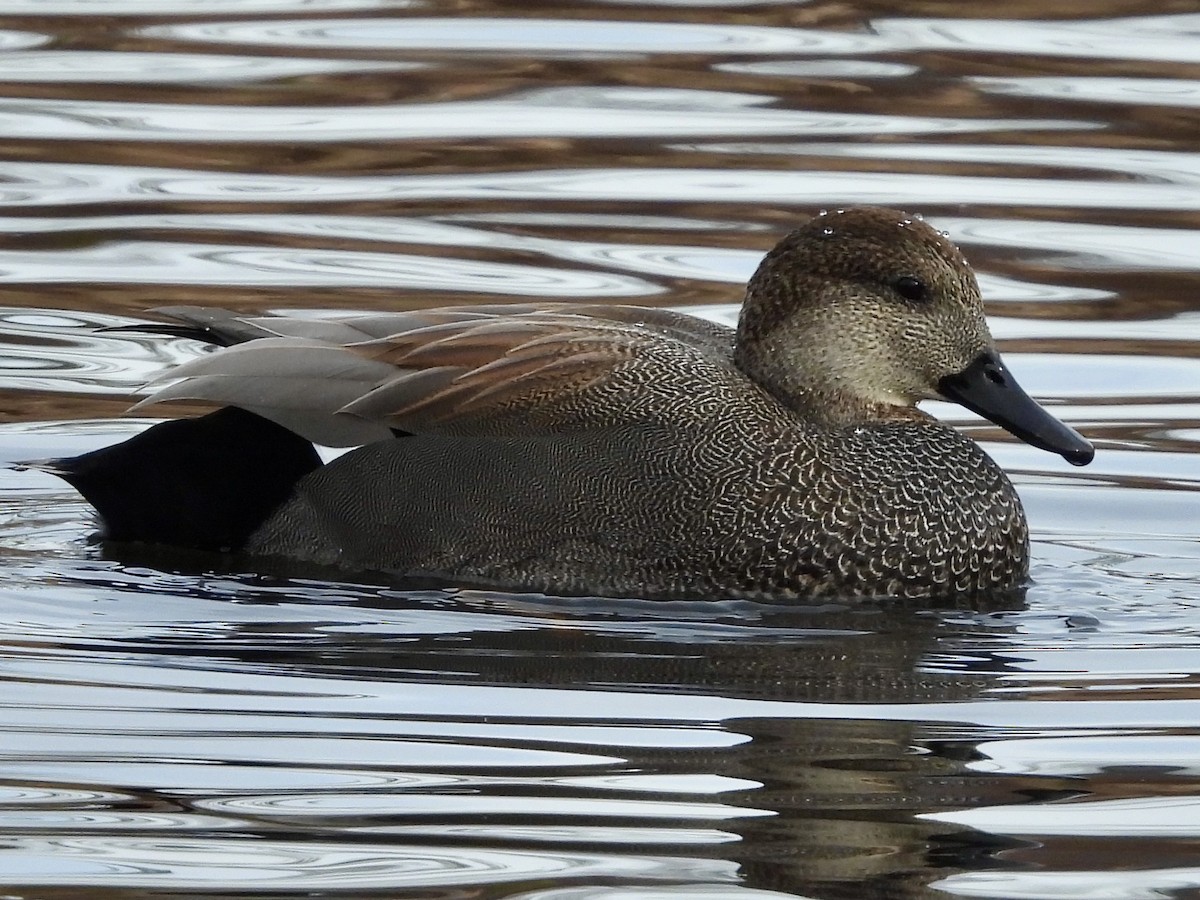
[293, 748]
[561, 832]
[1138, 91]
[446, 805]
[1141, 883]
[1084, 755]
[688, 261]
[63, 351]
[1121, 817]
[661, 892]
[205, 778]
[525, 36]
[34, 184]
[19, 40]
[578, 112]
[148, 262]
[258, 863]
[821, 68]
[22, 796]
[1168, 328]
[1150, 38]
[158, 9]
[125, 682]
[85, 820]
[180, 729]
[1170, 38]
[1117, 375]
[1142, 165]
[1083, 246]
[127, 67]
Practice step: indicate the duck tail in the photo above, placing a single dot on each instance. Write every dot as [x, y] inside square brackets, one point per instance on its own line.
[206, 483]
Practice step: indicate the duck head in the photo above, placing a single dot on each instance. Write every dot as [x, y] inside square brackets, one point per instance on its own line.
[862, 313]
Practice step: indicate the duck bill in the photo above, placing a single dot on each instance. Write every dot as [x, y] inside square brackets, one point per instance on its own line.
[987, 387]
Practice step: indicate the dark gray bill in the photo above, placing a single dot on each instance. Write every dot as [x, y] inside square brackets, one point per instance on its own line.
[986, 387]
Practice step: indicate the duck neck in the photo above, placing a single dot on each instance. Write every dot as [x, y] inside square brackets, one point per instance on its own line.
[812, 385]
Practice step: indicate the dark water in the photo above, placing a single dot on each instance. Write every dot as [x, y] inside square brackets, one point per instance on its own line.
[167, 734]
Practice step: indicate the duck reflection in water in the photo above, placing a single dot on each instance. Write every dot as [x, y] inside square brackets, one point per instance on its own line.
[582, 449]
[789, 743]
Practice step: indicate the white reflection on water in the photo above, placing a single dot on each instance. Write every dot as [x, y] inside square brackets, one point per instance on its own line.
[31, 184]
[1113, 375]
[1089, 247]
[1122, 817]
[440, 230]
[147, 262]
[265, 864]
[18, 40]
[527, 36]
[1150, 38]
[36, 796]
[997, 288]
[821, 68]
[1147, 91]
[158, 8]
[348, 717]
[98, 66]
[686, 261]
[1174, 167]
[663, 892]
[281, 807]
[85, 820]
[1129, 884]
[1082, 755]
[64, 351]
[1166, 38]
[550, 112]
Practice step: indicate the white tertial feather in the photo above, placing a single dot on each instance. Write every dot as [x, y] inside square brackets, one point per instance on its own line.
[282, 357]
[300, 384]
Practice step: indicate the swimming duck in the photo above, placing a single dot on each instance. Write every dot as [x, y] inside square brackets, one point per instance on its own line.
[612, 450]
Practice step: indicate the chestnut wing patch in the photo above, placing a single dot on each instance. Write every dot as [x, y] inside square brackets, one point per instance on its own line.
[467, 370]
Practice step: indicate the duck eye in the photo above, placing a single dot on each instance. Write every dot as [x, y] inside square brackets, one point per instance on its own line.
[911, 288]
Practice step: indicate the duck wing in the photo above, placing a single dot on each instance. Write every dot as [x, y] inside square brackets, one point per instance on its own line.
[482, 370]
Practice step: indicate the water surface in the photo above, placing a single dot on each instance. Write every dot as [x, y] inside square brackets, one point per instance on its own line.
[167, 732]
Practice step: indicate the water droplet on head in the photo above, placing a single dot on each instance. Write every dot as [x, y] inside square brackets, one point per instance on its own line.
[823, 212]
[827, 230]
[918, 217]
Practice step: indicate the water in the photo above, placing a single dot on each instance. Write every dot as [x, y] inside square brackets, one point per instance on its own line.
[166, 733]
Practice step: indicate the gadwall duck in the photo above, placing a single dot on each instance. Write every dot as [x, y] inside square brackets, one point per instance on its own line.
[611, 450]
